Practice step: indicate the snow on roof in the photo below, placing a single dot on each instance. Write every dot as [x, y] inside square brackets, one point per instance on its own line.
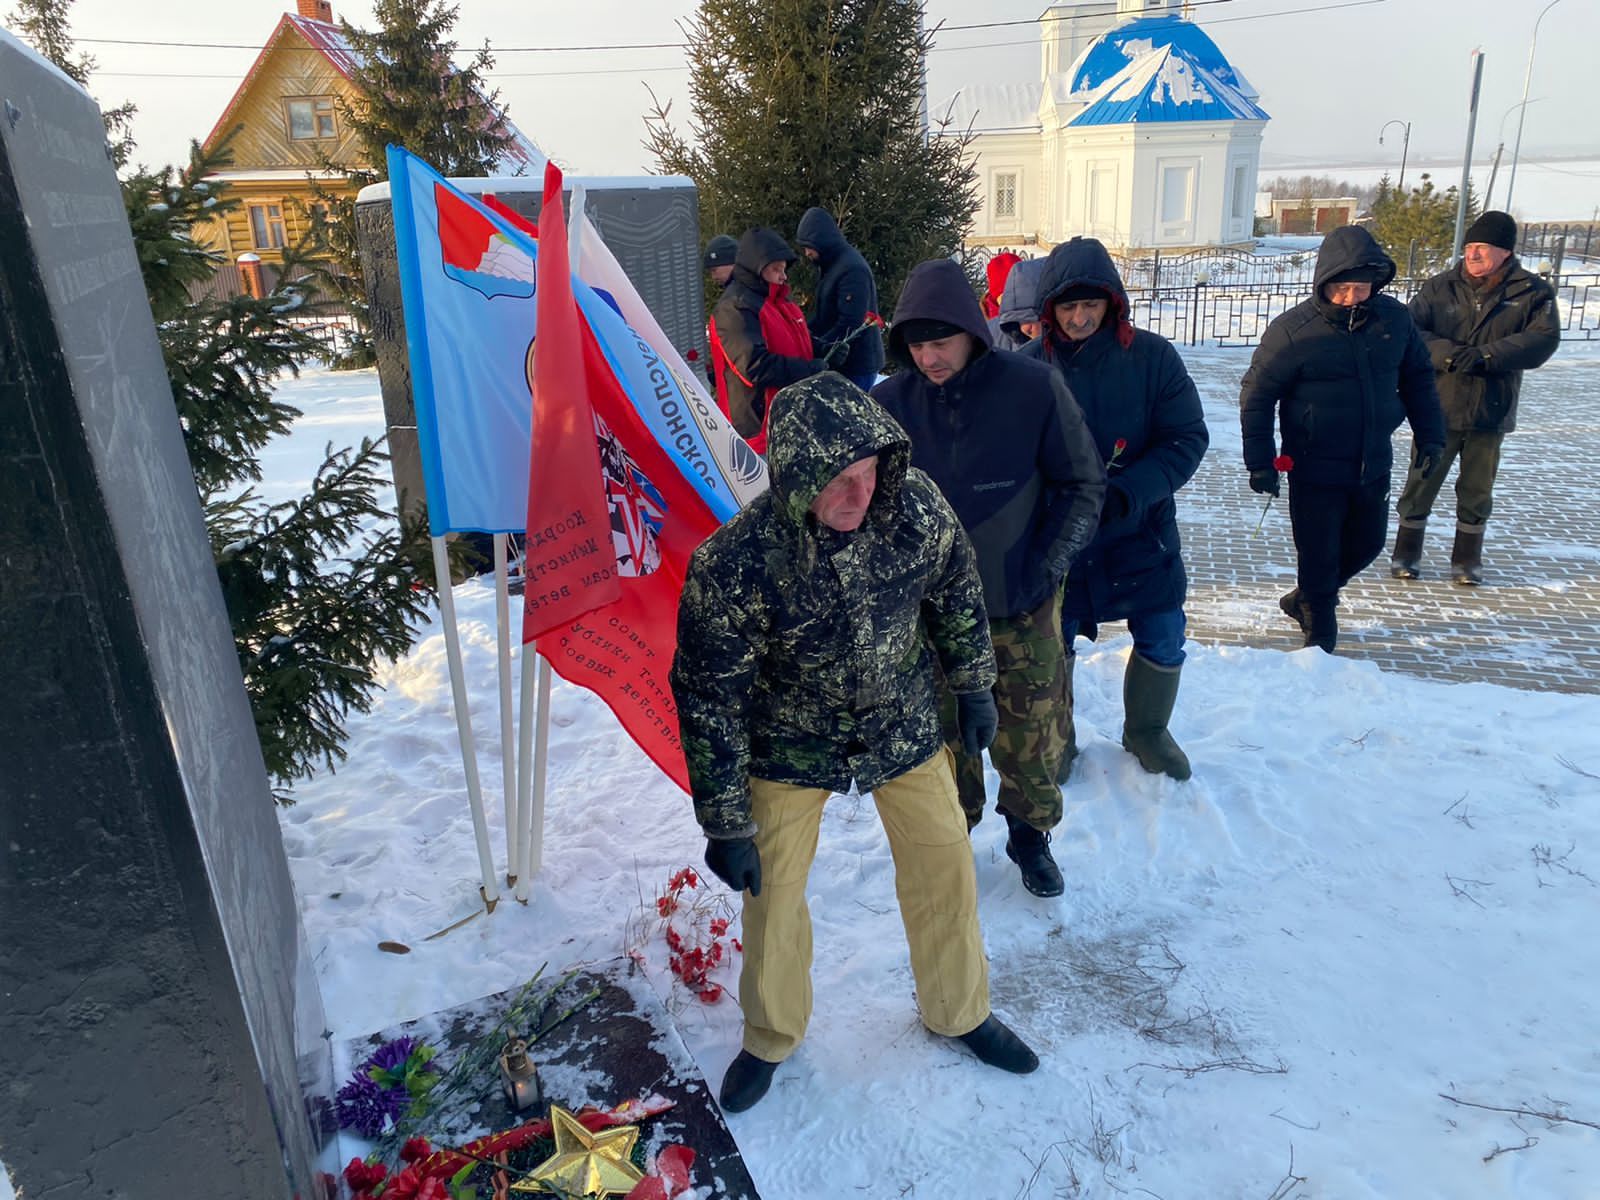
[991, 107]
[1116, 49]
[1166, 84]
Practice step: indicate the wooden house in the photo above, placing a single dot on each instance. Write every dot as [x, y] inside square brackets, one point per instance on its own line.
[285, 123]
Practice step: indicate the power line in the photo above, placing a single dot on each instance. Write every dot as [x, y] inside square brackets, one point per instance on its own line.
[1291, 12]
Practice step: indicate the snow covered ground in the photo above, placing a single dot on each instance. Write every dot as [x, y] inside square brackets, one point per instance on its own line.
[1377, 893]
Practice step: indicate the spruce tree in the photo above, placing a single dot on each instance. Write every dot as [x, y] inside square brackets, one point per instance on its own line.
[1421, 216]
[320, 588]
[819, 102]
[410, 93]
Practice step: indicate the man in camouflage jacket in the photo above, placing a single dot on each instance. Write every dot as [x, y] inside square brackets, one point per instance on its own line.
[807, 634]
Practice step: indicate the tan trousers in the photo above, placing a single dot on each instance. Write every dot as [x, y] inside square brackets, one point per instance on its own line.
[933, 878]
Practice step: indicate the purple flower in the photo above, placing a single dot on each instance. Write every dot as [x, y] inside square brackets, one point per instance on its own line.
[367, 1107]
[391, 1057]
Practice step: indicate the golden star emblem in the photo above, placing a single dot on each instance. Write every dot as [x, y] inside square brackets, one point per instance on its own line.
[585, 1164]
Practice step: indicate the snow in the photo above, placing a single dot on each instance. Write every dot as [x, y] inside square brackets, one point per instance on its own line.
[1550, 189]
[1376, 892]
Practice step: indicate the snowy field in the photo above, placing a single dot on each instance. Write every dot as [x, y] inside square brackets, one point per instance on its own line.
[1351, 958]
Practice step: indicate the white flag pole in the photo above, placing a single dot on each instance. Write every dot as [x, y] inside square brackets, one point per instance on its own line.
[533, 848]
[458, 690]
[508, 758]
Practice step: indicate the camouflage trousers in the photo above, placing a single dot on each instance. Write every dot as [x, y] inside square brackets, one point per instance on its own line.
[1035, 721]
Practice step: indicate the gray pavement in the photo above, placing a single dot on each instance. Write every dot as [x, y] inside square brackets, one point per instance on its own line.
[1535, 622]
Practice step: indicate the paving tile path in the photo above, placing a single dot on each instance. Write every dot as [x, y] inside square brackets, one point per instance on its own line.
[1535, 622]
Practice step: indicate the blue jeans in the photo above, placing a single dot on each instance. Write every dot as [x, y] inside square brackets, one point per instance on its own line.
[1157, 636]
[864, 382]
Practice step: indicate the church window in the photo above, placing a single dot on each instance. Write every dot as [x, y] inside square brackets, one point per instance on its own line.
[1005, 194]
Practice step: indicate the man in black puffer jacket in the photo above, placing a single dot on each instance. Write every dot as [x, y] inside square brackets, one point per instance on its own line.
[1145, 415]
[1007, 446]
[846, 293]
[1485, 321]
[1341, 371]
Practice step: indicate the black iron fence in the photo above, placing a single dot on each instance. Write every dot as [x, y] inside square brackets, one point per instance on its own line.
[1231, 314]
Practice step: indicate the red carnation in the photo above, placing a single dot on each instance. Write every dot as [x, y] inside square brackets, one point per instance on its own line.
[1283, 463]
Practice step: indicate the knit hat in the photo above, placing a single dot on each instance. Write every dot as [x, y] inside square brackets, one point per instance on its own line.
[1493, 229]
[720, 251]
[925, 329]
[1080, 291]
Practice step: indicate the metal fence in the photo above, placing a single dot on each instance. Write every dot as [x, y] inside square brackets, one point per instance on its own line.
[1237, 314]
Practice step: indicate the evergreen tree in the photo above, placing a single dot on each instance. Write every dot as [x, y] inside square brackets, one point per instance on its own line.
[1420, 217]
[46, 26]
[410, 93]
[318, 589]
[803, 102]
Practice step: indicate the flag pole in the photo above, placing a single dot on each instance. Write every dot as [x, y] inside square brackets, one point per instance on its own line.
[508, 758]
[458, 691]
[533, 847]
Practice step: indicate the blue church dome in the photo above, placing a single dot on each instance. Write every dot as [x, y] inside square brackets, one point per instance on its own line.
[1110, 53]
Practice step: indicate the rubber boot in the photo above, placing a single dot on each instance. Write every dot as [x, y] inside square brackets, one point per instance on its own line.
[1466, 556]
[1323, 632]
[1406, 562]
[1029, 848]
[1148, 694]
[1296, 609]
[746, 1082]
[994, 1043]
[1070, 754]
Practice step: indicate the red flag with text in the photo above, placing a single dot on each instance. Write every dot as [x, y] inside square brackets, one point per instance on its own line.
[612, 519]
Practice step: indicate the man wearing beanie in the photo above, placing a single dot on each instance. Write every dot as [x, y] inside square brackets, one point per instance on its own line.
[1144, 413]
[718, 259]
[1485, 321]
[1007, 446]
[1340, 371]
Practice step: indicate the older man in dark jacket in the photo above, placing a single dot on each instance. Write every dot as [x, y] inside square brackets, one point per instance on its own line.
[807, 638]
[1340, 371]
[1007, 446]
[1145, 415]
[840, 323]
[1485, 321]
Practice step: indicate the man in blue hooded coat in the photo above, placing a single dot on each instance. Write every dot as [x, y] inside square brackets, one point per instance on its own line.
[1007, 446]
[1148, 426]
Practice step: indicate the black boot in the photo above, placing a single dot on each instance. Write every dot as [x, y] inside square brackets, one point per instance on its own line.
[1406, 561]
[1029, 848]
[1324, 629]
[995, 1044]
[1070, 754]
[747, 1080]
[1148, 694]
[1296, 609]
[1466, 556]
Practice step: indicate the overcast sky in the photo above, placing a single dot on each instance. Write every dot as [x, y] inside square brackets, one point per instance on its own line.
[1330, 79]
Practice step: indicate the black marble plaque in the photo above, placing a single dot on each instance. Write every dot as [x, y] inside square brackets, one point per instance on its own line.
[158, 1016]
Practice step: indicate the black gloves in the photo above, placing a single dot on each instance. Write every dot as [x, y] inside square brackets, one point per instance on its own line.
[1116, 507]
[735, 862]
[978, 719]
[1264, 481]
[836, 355]
[1468, 360]
[1426, 459]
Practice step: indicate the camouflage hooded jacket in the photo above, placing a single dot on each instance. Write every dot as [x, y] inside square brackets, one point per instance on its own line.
[805, 655]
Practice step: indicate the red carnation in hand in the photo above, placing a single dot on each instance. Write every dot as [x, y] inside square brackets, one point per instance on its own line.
[1283, 463]
[1117, 447]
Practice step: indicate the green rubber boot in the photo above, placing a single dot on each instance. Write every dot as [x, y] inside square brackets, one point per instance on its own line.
[1148, 694]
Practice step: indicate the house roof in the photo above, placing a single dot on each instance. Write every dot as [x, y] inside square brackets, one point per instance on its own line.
[1116, 49]
[521, 156]
[1166, 85]
[992, 108]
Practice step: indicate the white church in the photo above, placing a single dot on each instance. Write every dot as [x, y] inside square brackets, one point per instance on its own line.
[1139, 132]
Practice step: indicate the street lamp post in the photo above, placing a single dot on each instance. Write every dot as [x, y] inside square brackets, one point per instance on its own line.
[1527, 80]
[1405, 145]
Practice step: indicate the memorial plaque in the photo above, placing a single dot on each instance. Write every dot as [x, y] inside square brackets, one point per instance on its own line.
[160, 1020]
